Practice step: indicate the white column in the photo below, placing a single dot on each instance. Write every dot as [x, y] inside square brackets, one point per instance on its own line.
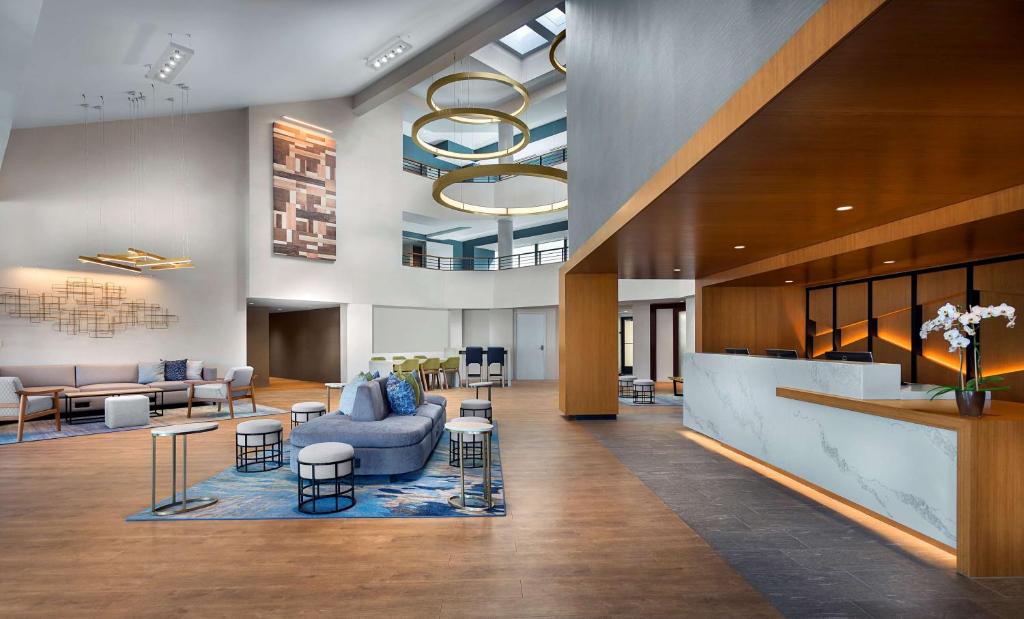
[505, 140]
[504, 236]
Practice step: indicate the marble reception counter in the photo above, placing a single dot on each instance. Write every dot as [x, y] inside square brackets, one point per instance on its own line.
[850, 429]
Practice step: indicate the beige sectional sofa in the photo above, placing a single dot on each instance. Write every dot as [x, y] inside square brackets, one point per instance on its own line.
[98, 377]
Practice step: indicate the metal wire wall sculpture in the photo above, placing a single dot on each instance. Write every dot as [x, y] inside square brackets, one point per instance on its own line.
[80, 306]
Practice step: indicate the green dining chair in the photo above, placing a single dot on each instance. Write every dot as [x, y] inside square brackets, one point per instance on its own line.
[430, 371]
[450, 371]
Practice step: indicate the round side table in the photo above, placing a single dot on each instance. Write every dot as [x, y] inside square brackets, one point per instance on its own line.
[478, 429]
[331, 387]
[480, 385]
[174, 506]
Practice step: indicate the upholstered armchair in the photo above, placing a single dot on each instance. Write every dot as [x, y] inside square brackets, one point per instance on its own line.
[236, 385]
[28, 403]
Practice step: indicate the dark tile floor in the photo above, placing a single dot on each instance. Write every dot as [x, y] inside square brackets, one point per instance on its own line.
[808, 560]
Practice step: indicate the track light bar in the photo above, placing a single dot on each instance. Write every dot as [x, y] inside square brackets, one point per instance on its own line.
[173, 59]
[391, 53]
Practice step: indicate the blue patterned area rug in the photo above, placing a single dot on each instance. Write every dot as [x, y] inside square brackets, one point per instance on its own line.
[44, 429]
[272, 495]
[659, 400]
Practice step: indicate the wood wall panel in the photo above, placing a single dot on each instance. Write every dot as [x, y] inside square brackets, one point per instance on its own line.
[306, 345]
[852, 316]
[937, 365]
[1003, 349]
[588, 344]
[890, 306]
[820, 311]
[257, 343]
[754, 318]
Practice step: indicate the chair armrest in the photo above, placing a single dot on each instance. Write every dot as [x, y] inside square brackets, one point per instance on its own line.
[219, 381]
[41, 391]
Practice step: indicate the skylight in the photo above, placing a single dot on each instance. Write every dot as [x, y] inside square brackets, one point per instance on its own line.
[553, 20]
[524, 40]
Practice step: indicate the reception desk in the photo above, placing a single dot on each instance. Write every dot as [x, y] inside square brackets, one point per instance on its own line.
[852, 430]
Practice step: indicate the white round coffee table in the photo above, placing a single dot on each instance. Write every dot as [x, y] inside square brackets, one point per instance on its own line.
[330, 387]
[174, 506]
[461, 428]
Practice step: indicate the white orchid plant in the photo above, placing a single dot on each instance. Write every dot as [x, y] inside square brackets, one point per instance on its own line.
[961, 329]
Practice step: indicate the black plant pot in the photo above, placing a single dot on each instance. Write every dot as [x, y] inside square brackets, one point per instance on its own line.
[971, 403]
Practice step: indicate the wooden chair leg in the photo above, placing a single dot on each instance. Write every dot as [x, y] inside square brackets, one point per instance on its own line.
[22, 407]
[218, 406]
[188, 415]
[56, 413]
[252, 396]
[231, 406]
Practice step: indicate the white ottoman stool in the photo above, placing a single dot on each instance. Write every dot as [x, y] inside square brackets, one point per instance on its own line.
[259, 446]
[476, 408]
[643, 391]
[123, 411]
[306, 411]
[326, 471]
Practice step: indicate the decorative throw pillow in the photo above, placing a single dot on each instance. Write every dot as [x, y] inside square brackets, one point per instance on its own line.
[193, 370]
[175, 370]
[348, 394]
[413, 378]
[151, 372]
[401, 396]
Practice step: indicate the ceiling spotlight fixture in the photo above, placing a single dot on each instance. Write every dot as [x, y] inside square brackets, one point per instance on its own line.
[845, 207]
[677, 270]
[789, 281]
[391, 52]
[170, 63]
[739, 246]
[889, 262]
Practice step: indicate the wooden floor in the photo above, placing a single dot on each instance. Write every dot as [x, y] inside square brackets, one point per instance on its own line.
[584, 537]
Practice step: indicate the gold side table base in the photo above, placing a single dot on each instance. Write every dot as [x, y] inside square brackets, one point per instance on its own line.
[473, 504]
[176, 507]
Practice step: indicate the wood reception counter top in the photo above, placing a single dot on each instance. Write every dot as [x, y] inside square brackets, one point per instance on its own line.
[852, 431]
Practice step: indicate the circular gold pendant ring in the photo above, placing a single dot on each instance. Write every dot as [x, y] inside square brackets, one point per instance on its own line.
[465, 76]
[551, 52]
[499, 169]
[451, 113]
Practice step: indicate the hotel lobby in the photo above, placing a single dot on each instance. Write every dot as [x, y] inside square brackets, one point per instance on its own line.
[512, 308]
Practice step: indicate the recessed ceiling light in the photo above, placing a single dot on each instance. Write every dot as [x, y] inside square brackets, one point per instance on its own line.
[171, 63]
[739, 246]
[889, 262]
[389, 53]
[789, 281]
[677, 270]
[845, 207]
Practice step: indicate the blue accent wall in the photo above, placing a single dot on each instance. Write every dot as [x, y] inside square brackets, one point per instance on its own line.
[411, 151]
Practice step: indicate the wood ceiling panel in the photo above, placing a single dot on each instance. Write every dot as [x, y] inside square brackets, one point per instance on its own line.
[920, 107]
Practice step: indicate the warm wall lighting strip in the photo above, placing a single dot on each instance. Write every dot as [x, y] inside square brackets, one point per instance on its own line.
[108, 263]
[924, 547]
[306, 124]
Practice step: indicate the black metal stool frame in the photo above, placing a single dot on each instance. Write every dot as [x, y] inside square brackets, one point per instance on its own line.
[344, 487]
[489, 412]
[643, 394]
[247, 456]
[307, 414]
[474, 452]
[626, 388]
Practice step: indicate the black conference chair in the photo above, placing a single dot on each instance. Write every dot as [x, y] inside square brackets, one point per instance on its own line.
[496, 356]
[474, 356]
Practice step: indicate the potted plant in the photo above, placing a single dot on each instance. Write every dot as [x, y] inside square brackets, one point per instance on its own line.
[961, 329]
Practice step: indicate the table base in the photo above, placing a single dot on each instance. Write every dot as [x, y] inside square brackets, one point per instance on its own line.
[472, 503]
[176, 507]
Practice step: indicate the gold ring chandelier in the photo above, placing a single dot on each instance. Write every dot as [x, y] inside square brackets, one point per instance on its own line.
[478, 116]
[466, 76]
[499, 169]
[480, 112]
[551, 52]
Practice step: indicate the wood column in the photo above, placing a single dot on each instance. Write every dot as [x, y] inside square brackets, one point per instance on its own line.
[587, 346]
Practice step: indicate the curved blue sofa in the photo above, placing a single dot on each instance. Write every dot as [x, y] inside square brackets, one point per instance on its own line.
[385, 444]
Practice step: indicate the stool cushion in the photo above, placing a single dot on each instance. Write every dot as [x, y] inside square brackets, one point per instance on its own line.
[308, 407]
[253, 433]
[643, 381]
[319, 459]
[476, 405]
[626, 378]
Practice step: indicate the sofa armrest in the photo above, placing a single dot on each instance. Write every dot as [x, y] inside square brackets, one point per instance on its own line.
[209, 373]
[440, 400]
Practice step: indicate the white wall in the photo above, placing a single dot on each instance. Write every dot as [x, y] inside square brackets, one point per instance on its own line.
[642, 339]
[665, 352]
[407, 329]
[51, 202]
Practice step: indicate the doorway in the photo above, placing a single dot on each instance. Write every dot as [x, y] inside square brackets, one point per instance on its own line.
[531, 332]
[625, 345]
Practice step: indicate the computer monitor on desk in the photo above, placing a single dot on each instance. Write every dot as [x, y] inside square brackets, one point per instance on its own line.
[839, 355]
[782, 353]
[737, 351]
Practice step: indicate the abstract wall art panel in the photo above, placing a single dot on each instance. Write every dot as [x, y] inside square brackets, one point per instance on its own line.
[305, 221]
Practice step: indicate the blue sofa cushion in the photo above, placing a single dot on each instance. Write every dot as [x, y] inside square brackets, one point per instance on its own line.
[151, 372]
[401, 396]
[370, 403]
[176, 370]
[382, 386]
[348, 394]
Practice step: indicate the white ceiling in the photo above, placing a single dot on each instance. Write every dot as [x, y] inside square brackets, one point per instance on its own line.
[248, 52]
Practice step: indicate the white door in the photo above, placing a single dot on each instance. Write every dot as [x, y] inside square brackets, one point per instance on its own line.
[530, 354]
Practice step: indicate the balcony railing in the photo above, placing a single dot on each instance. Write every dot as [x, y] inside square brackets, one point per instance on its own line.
[549, 158]
[499, 263]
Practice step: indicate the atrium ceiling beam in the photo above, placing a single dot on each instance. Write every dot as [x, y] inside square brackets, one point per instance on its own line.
[487, 28]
